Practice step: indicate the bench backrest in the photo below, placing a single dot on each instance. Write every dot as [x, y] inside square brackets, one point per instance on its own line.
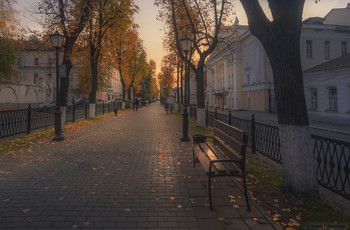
[227, 135]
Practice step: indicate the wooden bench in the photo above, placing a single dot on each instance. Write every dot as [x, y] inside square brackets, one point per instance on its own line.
[168, 108]
[224, 157]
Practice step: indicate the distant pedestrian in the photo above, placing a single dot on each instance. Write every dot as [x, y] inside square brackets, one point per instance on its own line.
[136, 103]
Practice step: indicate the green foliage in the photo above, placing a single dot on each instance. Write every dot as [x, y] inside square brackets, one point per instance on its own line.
[7, 58]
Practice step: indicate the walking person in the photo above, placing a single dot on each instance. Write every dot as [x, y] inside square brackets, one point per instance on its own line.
[136, 103]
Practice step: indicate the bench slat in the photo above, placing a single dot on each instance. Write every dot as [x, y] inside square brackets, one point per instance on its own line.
[230, 167]
[233, 143]
[219, 167]
[228, 153]
[229, 130]
[204, 160]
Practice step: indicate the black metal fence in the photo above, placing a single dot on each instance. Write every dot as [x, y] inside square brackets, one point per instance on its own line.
[332, 156]
[14, 122]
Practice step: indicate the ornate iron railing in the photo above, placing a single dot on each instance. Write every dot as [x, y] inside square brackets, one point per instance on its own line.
[333, 164]
[13, 122]
[332, 156]
[16, 122]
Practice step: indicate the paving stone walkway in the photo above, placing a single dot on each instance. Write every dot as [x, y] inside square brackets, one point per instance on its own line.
[126, 172]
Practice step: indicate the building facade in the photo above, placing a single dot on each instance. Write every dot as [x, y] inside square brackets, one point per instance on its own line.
[239, 75]
[35, 79]
[327, 90]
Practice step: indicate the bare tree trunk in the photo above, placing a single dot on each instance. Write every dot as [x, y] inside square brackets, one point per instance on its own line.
[177, 81]
[182, 85]
[200, 86]
[281, 40]
[94, 82]
[122, 82]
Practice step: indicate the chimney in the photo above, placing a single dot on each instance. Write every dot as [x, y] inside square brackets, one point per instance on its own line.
[348, 6]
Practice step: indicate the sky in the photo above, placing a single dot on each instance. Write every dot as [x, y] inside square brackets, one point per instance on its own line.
[151, 30]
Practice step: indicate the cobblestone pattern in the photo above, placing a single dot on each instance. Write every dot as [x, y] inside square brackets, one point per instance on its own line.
[127, 172]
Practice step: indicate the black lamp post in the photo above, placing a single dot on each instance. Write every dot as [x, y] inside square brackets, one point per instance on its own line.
[186, 44]
[57, 40]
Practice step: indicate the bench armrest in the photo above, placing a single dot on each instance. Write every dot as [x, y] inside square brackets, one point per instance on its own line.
[221, 161]
[198, 138]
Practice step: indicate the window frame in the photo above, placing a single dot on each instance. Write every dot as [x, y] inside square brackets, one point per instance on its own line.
[314, 99]
[327, 50]
[309, 51]
[344, 48]
[332, 99]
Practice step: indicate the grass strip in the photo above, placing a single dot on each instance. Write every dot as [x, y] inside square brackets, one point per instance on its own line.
[30, 139]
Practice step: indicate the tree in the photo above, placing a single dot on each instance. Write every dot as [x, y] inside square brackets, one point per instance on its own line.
[281, 40]
[137, 68]
[70, 18]
[7, 44]
[166, 77]
[7, 58]
[7, 18]
[202, 22]
[126, 41]
[105, 15]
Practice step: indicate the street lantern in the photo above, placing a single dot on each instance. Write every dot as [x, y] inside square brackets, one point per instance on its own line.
[57, 42]
[56, 39]
[186, 44]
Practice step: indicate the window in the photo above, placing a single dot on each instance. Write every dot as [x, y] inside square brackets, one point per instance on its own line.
[248, 79]
[344, 47]
[36, 61]
[48, 77]
[327, 52]
[309, 49]
[49, 61]
[313, 98]
[36, 78]
[333, 101]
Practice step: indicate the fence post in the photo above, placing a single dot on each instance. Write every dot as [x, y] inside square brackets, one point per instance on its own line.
[230, 118]
[103, 108]
[85, 110]
[29, 114]
[216, 112]
[252, 134]
[207, 116]
[109, 107]
[73, 112]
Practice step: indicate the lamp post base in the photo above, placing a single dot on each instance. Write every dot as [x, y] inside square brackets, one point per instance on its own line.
[185, 139]
[58, 128]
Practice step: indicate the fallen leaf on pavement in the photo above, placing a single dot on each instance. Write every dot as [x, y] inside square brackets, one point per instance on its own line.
[114, 202]
[25, 210]
[127, 210]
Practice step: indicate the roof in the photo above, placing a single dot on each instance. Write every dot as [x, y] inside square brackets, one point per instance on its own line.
[338, 17]
[37, 46]
[340, 62]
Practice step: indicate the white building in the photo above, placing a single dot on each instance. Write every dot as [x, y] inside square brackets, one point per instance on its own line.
[327, 90]
[35, 80]
[239, 75]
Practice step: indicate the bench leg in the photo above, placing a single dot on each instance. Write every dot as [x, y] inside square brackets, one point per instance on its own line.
[245, 192]
[209, 191]
[194, 160]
